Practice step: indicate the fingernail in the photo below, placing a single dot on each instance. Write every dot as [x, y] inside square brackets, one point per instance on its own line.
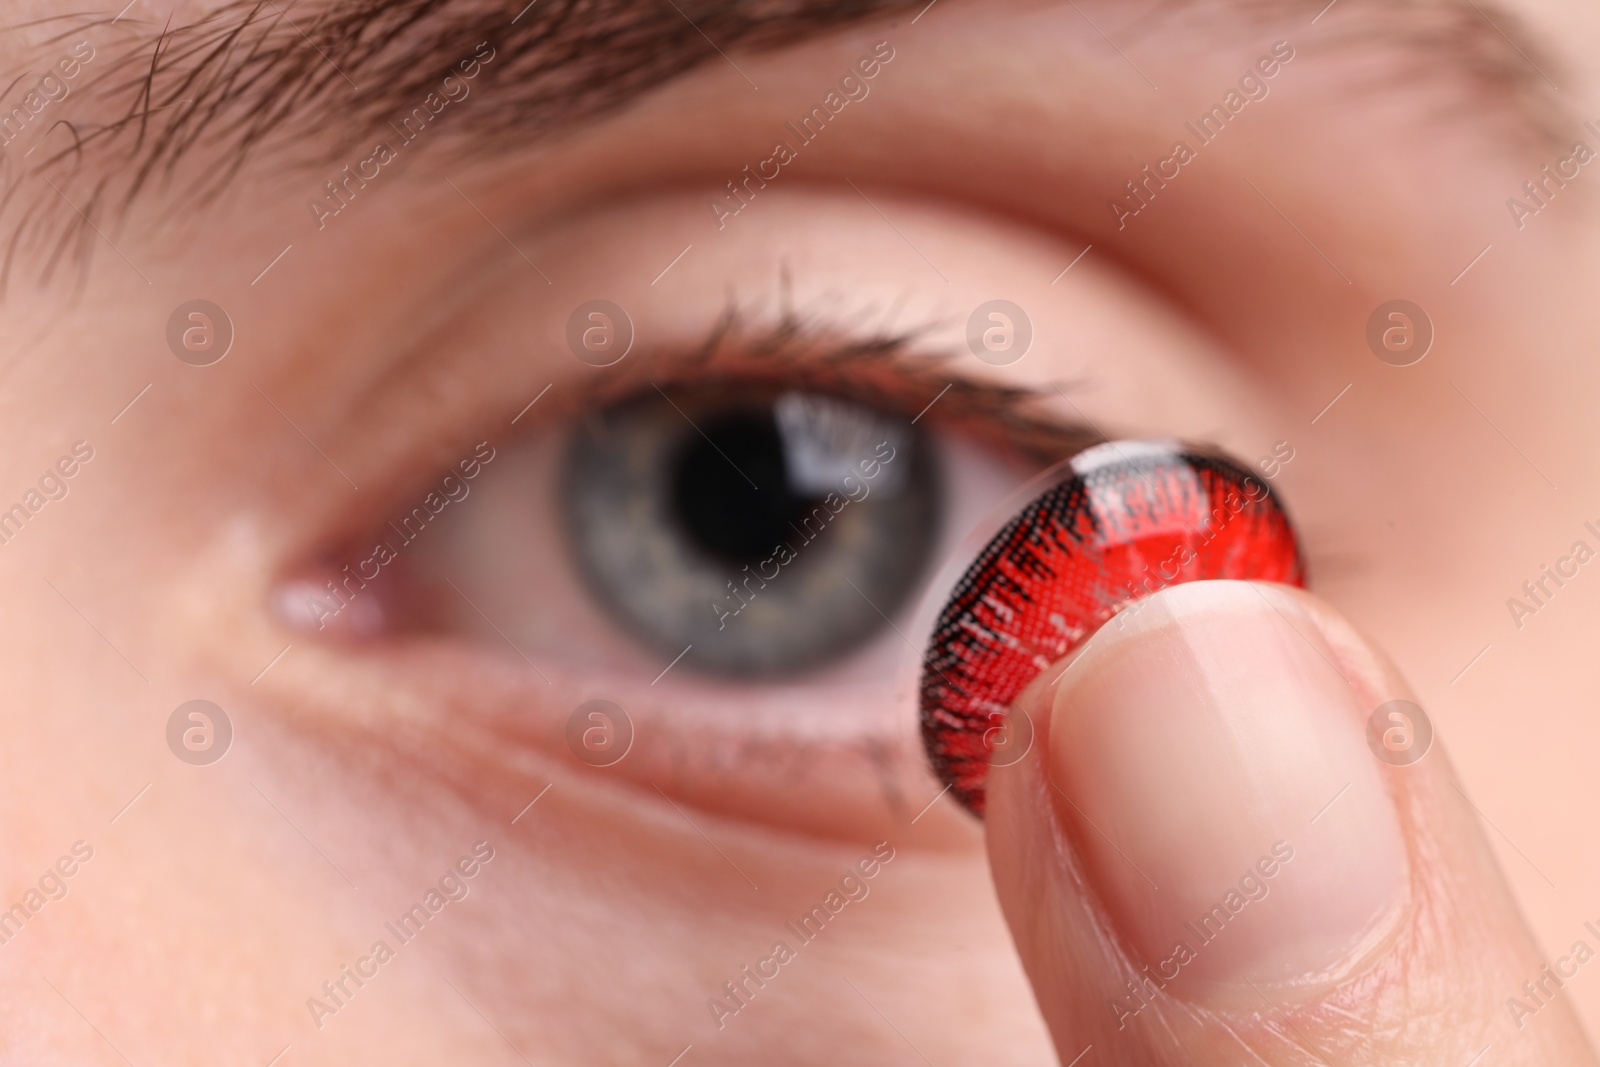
[1210, 761]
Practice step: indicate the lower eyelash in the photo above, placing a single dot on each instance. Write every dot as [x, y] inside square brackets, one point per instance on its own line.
[1097, 541]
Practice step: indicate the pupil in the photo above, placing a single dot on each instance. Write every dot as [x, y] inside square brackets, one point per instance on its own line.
[722, 515]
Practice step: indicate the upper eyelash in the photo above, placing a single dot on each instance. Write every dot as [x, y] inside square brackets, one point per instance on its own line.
[898, 371]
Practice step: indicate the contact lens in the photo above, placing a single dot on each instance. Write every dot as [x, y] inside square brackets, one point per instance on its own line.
[1117, 523]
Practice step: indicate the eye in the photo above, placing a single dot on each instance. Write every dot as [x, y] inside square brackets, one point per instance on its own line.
[744, 529]
[510, 560]
[758, 533]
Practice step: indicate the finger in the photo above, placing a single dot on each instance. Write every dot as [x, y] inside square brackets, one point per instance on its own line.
[1204, 861]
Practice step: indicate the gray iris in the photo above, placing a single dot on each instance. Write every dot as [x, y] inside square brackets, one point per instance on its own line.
[771, 531]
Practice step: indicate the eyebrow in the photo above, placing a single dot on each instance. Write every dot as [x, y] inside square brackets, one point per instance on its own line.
[254, 73]
[252, 69]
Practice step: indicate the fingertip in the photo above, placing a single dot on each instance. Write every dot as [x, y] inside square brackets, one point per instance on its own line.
[1206, 840]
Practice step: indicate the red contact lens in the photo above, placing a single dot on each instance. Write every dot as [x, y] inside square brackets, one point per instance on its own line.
[1129, 518]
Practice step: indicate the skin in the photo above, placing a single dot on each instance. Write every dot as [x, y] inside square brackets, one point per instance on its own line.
[408, 330]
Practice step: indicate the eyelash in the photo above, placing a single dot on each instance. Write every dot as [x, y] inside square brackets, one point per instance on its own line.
[897, 372]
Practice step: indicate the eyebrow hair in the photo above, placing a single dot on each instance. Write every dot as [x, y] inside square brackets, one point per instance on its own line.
[249, 70]
[249, 74]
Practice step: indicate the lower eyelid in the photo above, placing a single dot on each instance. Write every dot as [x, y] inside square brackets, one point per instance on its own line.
[481, 720]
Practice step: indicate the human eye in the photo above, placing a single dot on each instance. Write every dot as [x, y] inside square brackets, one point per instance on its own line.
[725, 534]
